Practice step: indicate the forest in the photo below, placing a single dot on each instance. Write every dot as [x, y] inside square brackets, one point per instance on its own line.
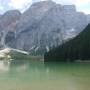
[77, 48]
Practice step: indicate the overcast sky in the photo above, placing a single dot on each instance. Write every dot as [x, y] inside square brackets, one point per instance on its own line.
[22, 5]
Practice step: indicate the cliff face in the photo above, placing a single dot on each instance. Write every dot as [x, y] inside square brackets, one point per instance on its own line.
[46, 25]
[88, 18]
[75, 49]
[7, 23]
[8, 18]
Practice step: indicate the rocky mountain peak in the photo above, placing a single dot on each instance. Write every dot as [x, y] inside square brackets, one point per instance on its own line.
[43, 3]
[7, 23]
[70, 8]
[88, 18]
[45, 25]
[8, 18]
[34, 14]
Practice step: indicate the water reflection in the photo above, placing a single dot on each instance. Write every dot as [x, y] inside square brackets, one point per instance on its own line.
[31, 70]
[18, 65]
[4, 66]
[36, 66]
[24, 75]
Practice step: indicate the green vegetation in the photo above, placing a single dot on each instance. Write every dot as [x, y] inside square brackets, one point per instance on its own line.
[20, 56]
[75, 49]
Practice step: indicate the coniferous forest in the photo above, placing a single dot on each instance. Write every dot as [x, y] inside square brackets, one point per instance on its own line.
[77, 48]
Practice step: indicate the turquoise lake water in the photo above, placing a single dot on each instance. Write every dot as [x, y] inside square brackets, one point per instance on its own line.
[26, 75]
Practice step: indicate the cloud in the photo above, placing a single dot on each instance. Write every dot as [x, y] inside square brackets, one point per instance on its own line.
[1, 8]
[20, 4]
[87, 11]
[64, 1]
[76, 2]
[81, 2]
[81, 5]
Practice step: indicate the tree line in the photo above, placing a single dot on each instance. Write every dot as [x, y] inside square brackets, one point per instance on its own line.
[77, 48]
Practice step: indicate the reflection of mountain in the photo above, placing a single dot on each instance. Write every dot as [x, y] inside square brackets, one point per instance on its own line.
[75, 49]
[43, 26]
[4, 66]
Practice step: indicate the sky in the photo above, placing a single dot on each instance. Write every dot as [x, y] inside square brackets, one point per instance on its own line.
[22, 5]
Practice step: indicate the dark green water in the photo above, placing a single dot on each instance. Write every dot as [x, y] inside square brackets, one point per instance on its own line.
[25, 75]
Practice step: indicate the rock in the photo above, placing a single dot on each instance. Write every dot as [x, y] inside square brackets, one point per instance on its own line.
[88, 18]
[7, 23]
[47, 24]
[4, 54]
[77, 49]
[9, 53]
[43, 26]
[8, 18]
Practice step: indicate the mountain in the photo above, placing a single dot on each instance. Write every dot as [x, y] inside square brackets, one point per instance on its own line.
[45, 25]
[75, 49]
[7, 22]
[0, 16]
[8, 18]
[88, 18]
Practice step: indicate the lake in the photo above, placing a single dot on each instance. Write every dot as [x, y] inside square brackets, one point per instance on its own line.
[28, 75]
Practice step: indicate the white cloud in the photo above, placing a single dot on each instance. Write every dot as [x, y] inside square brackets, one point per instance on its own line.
[81, 2]
[81, 5]
[1, 8]
[86, 11]
[76, 2]
[20, 4]
[64, 1]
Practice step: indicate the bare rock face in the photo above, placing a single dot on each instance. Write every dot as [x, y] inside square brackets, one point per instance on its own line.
[45, 25]
[88, 18]
[33, 15]
[0, 16]
[8, 18]
[7, 23]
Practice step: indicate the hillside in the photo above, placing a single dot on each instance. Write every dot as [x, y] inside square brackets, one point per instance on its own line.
[75, 49]
[43, 26]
